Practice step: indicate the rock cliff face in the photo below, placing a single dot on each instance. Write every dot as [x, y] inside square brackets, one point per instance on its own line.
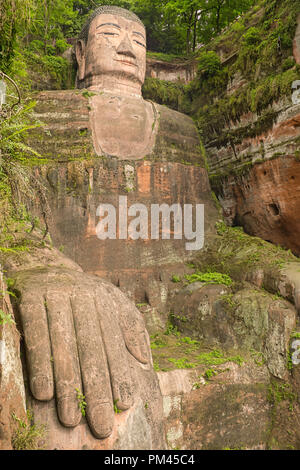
[12, 391]
[174, 71]
[254, 161]
[257, 180]
[265, 201]
[296, 43]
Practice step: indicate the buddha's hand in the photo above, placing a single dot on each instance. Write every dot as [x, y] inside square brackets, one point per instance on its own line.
[79, 332]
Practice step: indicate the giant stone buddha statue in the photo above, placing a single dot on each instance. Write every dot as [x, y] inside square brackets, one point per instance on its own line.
[82, 334]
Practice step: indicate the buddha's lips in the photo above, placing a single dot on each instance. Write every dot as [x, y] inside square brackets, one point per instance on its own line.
[126, 62]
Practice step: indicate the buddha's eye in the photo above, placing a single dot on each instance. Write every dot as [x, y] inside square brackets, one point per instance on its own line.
[106, 33]
[110, 34]
[139, 43]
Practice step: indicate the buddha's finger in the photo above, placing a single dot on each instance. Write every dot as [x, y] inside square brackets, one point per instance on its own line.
[65, 357]
[134, 331]
[37, 345]
[93, 363]
[132, 325]
[117, 355]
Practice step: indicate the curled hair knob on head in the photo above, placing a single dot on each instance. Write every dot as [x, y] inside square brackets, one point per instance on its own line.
[106, 9]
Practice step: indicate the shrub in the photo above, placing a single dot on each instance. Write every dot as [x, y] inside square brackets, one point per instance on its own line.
[209, 63]
[252, 36]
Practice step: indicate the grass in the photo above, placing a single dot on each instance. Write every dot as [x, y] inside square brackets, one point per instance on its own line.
[209, 278]
[171, 350]
[6, 318]
[279, 392]
[28, 436]
[234, 253]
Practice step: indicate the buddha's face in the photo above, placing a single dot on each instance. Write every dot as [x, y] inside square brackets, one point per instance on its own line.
[116, 47]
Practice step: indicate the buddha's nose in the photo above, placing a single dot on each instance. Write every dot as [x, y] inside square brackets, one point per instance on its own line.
[125, 48]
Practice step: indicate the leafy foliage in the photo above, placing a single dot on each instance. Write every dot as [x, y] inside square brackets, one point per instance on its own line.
[209, 63]
[18, 186]
[28, 436]
[82, 404]
[209, 278]
[6, 318]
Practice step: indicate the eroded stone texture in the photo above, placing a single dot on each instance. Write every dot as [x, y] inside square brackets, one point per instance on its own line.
[296, 43]
[266, 200]
[248, 320]
[175, 71]
[12, 392]
[137, 266]
[255, 169]
[67, 131]
[230, 411]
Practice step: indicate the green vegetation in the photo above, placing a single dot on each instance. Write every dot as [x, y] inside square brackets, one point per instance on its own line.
[209, 278]
[258, 57]
[209, 64]
[18, 185]
[167, 93]
[171, 350]
[229, 301]
[209, 373]
[182, 363]
[258, 357]
[295, 334]
[256, 50]
[234, 253]
[34, 34]
[27, 435]
[81, 401]
[116, 409]
[6, 318]
[279, 392]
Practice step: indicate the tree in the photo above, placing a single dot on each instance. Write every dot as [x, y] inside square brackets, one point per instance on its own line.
[203, 19]
[14, 17]
[216, 14]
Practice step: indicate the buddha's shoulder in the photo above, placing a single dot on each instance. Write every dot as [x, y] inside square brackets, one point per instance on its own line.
[66, 129]
[177, 137]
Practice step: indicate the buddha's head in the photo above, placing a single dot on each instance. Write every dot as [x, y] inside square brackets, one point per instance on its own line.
[111, 51]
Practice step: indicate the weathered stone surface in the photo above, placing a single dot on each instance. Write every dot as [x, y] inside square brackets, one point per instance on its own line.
[75, 190]
[132, 429]
[67, 130]
[248, 320]
[259, 194]
[296, 43]
[12, 392]
[175, 71]
[266, 200]
[230, 411]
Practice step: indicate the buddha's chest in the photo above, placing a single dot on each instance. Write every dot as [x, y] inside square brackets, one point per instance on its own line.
[122, 126]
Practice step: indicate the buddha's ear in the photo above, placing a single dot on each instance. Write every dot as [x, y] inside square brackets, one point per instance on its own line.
[80, 57]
